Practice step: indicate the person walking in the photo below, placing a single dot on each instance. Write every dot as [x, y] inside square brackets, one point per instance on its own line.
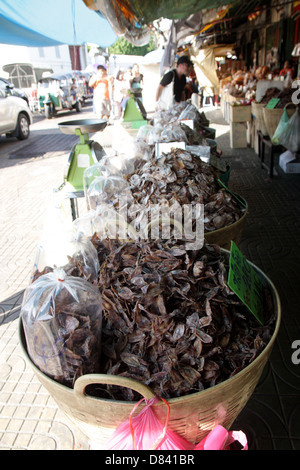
[120, 94]
[177, 76]
[136, 81]
[102, 93]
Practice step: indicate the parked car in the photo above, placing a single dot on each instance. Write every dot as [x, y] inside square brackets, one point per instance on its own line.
[13, 90]
[15, 115]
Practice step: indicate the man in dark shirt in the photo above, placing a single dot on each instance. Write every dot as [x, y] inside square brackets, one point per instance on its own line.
[179, 75]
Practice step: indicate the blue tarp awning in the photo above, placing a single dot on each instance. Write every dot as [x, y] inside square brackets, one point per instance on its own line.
[52, 22]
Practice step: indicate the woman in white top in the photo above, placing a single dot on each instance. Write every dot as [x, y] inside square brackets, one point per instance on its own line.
[121, 87]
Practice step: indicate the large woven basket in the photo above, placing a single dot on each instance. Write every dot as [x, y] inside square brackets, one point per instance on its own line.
[257, 111]
[272, 118]
[225, 235]
[191, 416]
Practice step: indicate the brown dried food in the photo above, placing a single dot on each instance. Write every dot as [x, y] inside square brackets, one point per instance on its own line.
[62, 326]
[183, 178]
[179, 329]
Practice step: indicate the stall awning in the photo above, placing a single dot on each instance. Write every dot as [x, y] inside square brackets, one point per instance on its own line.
[52, 22]
[132, 18]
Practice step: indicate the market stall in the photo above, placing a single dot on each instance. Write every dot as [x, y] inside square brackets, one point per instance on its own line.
[185, 325]
[256, 102]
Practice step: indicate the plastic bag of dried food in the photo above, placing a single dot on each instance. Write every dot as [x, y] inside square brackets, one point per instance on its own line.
[107, 189]
[190, 112]
[173, 133]
[62, 320]
[71, 250]
[144, 143]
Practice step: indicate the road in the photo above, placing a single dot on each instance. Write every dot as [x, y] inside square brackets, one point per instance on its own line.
[29, 171]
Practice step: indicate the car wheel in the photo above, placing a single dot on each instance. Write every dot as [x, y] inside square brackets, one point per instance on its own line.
[23, 127]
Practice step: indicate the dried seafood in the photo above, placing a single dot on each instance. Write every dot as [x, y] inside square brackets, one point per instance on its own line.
[63, 326]
[170, 321]
[182, 177]
[284, 96]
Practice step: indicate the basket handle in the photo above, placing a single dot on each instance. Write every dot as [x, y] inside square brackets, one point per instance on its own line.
[90, 379]
[290, 103]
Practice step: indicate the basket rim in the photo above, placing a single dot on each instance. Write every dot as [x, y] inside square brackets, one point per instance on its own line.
[229, 227]
[176, 400]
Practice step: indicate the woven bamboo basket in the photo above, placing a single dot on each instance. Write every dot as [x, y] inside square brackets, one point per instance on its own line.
[257, 111]
[272, 117]
[192, 416]
[223, 236]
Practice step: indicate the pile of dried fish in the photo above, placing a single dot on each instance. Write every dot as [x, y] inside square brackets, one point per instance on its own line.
[182, 177]
[170, 321]
[284, 96]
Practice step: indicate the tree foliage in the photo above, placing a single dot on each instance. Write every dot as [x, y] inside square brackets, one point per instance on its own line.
[123, 47]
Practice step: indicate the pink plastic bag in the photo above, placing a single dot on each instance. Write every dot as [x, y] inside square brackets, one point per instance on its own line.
[221, 439]
[145, 432]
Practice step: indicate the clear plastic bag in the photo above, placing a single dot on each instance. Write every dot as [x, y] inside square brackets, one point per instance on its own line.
[62, 320]
[112, 224]
[190, 112]
[86, 223]
[116, 164]
[281, 128]
[107, 189]
[73, 251]
[144, 143]
[173, 133]
[290, 138]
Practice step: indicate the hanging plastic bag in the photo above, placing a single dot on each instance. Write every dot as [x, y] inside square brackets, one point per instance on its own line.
[282, 126]
[62, 320]
[290, 138]
[146, 432]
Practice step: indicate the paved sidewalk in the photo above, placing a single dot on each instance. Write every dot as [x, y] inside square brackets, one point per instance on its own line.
[29, 418]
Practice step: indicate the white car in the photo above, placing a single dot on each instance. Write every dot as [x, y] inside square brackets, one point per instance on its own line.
[15, 115]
